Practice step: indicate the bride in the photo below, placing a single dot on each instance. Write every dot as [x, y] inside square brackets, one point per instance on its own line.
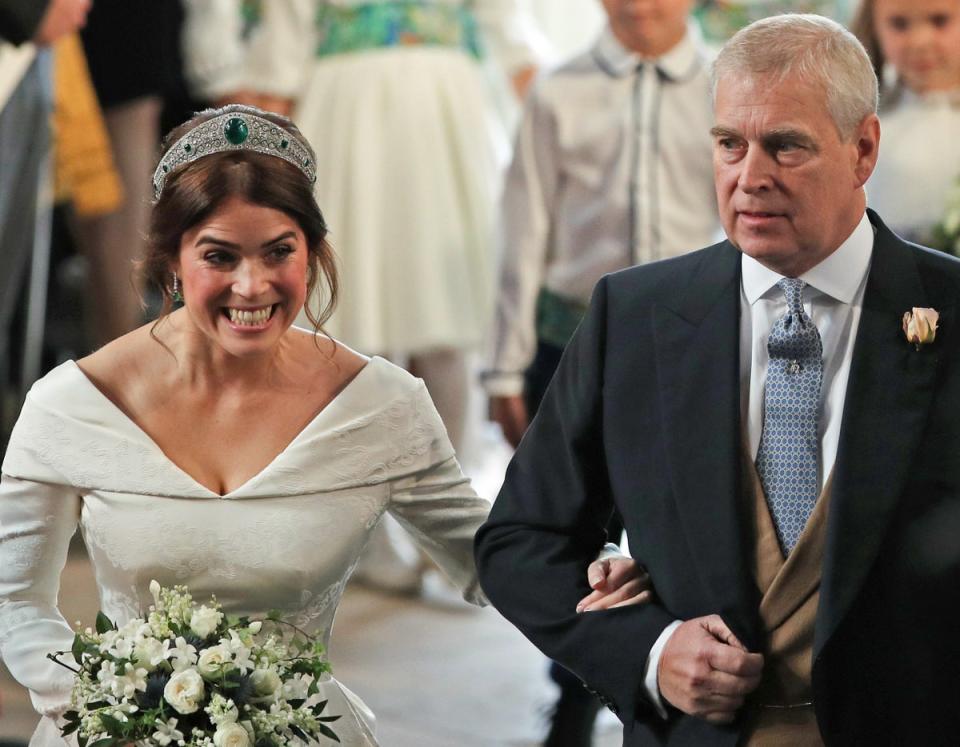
[221, 447]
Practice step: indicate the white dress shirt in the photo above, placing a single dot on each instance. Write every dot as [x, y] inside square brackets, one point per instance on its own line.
[612, 168]
[834, 301]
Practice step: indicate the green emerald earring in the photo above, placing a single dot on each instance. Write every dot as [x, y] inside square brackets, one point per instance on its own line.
[175, 293]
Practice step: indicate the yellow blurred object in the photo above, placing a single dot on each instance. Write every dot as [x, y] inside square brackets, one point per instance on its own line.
[85, 172]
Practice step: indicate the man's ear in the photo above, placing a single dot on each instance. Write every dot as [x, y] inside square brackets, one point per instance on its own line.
[867, 143]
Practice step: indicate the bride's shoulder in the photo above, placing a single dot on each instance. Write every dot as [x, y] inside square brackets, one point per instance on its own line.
[126, 365]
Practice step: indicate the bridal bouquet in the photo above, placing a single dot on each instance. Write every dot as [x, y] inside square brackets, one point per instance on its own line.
[189, 675]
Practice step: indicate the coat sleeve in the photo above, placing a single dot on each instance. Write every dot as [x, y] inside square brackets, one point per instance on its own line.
[547, 524]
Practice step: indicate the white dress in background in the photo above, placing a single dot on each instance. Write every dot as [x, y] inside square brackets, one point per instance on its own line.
[919, 161]
[287, 539]
[409, 151]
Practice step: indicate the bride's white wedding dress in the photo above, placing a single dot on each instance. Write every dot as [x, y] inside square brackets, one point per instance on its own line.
[287, 539]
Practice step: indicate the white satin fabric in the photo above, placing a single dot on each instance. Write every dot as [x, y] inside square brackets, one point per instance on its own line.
[287, 539]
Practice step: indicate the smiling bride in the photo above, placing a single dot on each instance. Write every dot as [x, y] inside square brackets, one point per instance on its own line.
[220, 447]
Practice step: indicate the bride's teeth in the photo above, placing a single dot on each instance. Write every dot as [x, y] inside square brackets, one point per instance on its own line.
[250, 318]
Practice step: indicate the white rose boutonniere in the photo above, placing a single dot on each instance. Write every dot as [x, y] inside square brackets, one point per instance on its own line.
[920, 326]
[184, 691]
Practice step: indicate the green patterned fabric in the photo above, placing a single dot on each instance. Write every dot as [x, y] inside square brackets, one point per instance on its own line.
[557, 318]
[721, 19]
[375, 25]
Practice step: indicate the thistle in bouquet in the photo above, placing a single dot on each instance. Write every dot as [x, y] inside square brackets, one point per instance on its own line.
[188, 675]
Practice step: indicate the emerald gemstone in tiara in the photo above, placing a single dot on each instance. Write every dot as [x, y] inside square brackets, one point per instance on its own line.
[284, 144]
[235, 131]
[187, 148]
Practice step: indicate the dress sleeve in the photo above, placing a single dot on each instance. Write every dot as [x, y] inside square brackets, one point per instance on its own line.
[438, 506]
[36, 523]
[213, 47]
[510, 33]
[281, 47]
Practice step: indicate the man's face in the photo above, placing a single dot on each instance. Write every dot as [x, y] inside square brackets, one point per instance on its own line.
[648, 27]
[789, 187]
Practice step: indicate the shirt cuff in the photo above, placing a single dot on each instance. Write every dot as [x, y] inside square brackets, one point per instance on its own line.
[500, 384]
[650, 683]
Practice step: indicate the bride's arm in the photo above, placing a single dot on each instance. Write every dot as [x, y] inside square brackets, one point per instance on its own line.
[36, 523]
[442, 511]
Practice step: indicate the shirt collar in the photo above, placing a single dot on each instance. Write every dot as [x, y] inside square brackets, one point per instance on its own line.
[680, 62]
[838, 276]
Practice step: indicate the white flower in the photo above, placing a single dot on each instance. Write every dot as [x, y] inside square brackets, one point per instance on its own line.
[166, 732]
[107, 674]
[298, 687]
[149, 652]
[239, 651]
[212, 661]
[205, 620]
[184, 691]
[231, 735]
[132, 679]
[155, 592]
[222, 710]
[255, 626]
[265, 682]
[182, 655]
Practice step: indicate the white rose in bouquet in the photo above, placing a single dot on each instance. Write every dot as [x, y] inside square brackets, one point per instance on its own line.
[213, 660]
[231, 735]
[265, 682]
[205, 620]
[184, 691]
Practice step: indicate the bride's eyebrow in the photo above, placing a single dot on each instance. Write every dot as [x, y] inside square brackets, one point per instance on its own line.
[208, 239]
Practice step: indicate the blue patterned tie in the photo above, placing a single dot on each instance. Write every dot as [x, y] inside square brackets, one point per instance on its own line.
[789, 444]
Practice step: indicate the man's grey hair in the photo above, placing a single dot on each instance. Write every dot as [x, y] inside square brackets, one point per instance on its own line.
[817, 50]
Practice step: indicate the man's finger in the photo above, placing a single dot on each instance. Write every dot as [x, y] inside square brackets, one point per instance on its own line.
[715, 625]
[597, 573]
[724, 658]
[731, 685]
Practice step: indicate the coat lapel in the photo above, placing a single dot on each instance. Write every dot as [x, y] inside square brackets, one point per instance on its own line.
[888, 395]
[697, 354]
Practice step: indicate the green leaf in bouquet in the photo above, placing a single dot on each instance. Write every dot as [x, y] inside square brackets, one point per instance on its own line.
[275, 616]
[104, 623]
[108, 742]
[317, 708]
[81, 740]
[296, 702]
[77, 648]
[113, 726]
[328, 732]
[300, 733]
[69, 728]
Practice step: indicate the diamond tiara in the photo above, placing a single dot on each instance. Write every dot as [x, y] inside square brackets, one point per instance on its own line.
[234, 131]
